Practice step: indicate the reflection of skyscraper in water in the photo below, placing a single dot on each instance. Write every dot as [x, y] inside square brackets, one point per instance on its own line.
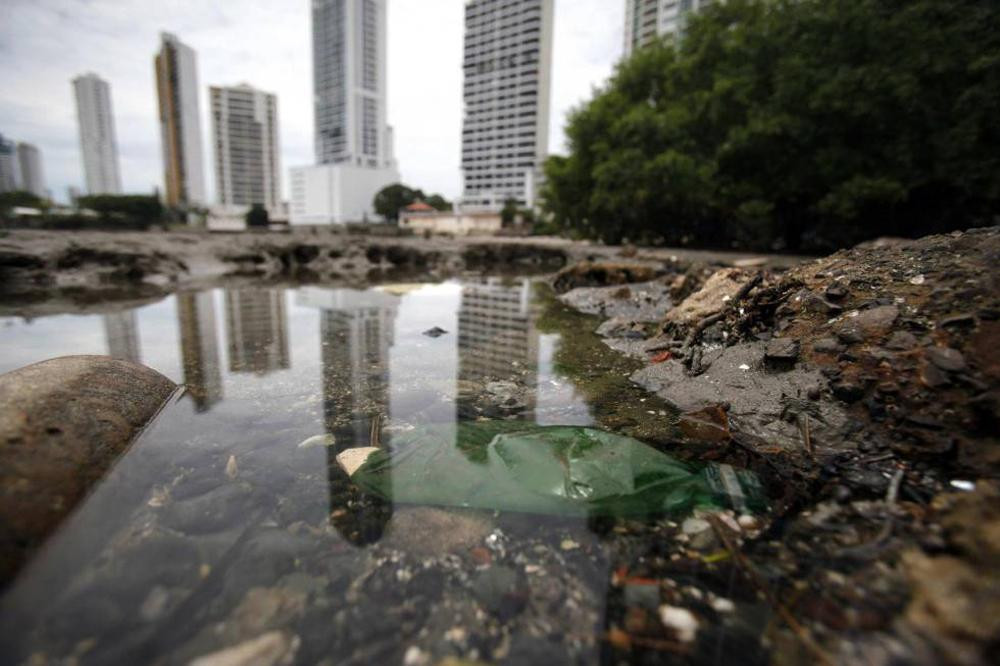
[200, 348]
[256, 328]
[495, 330]
[356, 334]
[122, 334]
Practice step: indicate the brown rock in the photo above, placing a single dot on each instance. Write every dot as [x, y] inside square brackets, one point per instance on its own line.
[946, 358]
[63, 423]
[434, 531]
[867, 325]
[707, 425]
[602, 274]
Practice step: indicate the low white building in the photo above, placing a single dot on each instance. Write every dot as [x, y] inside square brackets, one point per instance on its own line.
[224, 217]
[336, 193]
[422, 218]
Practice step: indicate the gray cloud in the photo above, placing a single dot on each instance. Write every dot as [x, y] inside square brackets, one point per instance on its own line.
[45, 43]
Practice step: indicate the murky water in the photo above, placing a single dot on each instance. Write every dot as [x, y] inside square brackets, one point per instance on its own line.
[217, 529]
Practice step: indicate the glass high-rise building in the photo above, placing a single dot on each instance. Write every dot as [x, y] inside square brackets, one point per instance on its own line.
[354, 150]
[349, 82]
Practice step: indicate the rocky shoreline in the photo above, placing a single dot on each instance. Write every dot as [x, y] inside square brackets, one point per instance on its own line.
[865, 387]
[46, 271]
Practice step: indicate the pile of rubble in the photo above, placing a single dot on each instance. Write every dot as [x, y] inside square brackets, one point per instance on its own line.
[865, 387]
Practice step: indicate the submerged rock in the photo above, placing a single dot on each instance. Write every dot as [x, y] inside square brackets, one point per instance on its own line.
[642, 302]
[326, 439]
[275, 648]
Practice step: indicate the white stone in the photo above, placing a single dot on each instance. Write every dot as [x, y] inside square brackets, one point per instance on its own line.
[352, 459]
[414, 656]
[695, 526]
[723, 605]
[681, 621]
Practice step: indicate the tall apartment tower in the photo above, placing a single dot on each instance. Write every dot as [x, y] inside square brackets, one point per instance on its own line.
[180, 123]
[507, 68]
[354, 153]
[29, 163]
[98, 145]
[245, 145]
[10, 171]
[645, 20]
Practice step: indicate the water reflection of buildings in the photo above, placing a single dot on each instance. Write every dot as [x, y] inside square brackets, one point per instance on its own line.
[122, 334]
[356, 334]
[257, 330]
[496, 329]
[200, 348]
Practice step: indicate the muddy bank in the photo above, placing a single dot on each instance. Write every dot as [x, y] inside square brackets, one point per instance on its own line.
[43, 272]
[865, 388]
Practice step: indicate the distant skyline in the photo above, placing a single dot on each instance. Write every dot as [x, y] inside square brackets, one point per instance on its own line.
[45, 44]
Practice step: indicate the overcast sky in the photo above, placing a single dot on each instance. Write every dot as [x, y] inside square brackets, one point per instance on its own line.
[266, 43]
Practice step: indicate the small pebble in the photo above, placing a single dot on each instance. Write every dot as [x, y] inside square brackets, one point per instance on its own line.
[231, 469]
[681, 621]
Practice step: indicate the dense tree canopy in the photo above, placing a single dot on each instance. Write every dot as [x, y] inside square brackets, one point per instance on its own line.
[257, 217]
[796, 124]
[15, 198]
[141, 208]
[392, 198]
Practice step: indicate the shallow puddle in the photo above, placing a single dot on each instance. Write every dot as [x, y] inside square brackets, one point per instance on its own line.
[228, 524]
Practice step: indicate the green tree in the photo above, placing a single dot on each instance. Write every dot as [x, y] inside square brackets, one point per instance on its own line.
[257, 217]
[802, 124]
[18, 198]
[392, 198]
[509, 212]
[139, 208]
[438, 202]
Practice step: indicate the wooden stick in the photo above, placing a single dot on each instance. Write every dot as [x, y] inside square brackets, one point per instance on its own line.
[759, 583]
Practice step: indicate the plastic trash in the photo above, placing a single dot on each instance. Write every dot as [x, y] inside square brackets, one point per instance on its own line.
[560, 470]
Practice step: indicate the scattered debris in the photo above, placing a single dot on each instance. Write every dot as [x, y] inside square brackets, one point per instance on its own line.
[325, 440]
[435, 332]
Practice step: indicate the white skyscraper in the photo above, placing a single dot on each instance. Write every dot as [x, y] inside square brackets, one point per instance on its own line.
[245, 145]
[29, 161]
[507, 66]
[645, 20]
[180, 123]
[98, 145]
[10, 171]
[353, 142]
